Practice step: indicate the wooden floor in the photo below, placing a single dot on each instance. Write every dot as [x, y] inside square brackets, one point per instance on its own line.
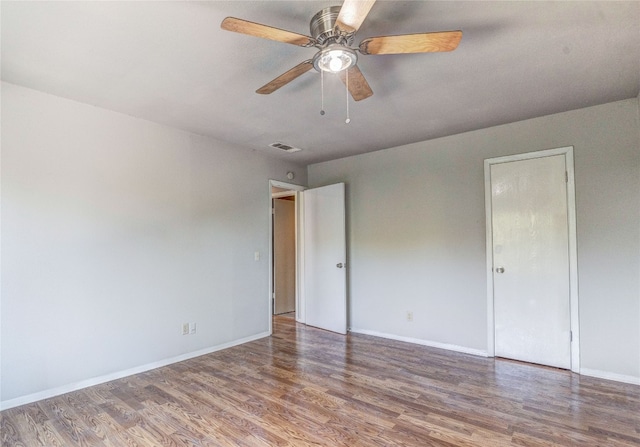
[304, 386]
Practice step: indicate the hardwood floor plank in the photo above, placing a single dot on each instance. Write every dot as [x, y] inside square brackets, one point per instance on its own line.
[67, 423]
[9, 432]
[307, 387]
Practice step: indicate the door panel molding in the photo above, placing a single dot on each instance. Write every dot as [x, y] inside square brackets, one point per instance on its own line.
[567, 152]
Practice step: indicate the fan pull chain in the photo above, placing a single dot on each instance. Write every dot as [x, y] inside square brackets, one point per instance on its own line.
[322, 92]
[348, 120]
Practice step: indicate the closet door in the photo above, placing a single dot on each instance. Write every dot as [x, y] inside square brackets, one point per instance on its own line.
[530, 237]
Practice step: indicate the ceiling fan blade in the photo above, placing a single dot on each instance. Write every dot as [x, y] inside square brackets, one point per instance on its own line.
[412, 43]
[352, 14]
[358, 85]
[266, 32]
[285, 78]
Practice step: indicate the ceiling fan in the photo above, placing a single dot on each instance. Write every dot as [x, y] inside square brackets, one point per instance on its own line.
[332, 32]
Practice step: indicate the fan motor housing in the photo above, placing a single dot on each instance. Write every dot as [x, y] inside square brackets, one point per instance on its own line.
[322, 27]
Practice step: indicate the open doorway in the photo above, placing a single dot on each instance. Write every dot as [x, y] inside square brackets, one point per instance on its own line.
[284, 253]
[320, 268]
[284, 282]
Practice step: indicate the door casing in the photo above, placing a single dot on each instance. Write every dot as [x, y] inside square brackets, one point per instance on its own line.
[573, 264]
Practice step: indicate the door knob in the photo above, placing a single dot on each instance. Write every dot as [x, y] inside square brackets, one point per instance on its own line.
[500, 270]
[339, 265]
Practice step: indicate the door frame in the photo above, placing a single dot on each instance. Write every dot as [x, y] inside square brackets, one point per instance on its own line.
[296, 190]
[573, 252]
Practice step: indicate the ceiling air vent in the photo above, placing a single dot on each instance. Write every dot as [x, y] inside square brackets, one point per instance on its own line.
[285, 147]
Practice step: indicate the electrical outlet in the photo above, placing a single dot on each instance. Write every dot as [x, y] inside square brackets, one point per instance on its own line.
[185, 328]
[409, 315]
[192, 328]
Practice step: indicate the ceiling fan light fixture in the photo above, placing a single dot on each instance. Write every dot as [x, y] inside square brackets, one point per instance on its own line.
[335, 58]
[332, 33]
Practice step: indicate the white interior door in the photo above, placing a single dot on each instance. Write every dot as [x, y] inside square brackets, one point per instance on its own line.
[325, 288]
[284, 256]
[530, 237]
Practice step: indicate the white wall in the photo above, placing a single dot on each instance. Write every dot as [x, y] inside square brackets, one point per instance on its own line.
[417, 234]
[115, 231]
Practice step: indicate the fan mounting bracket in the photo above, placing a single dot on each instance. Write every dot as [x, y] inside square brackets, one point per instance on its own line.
[324, 31]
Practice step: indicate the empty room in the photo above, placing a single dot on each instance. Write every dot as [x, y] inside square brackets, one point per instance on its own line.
[312, 223]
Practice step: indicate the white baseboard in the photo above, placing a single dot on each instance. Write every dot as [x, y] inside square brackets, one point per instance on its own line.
[634, 380]
[46, 394]
[583, 371]
[419, 341]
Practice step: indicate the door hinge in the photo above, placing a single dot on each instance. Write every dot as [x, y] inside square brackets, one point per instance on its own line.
[570, 335]
[566, 176]
[273, 211]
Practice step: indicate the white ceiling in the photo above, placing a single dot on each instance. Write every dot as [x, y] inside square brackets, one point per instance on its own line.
[170, 62]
